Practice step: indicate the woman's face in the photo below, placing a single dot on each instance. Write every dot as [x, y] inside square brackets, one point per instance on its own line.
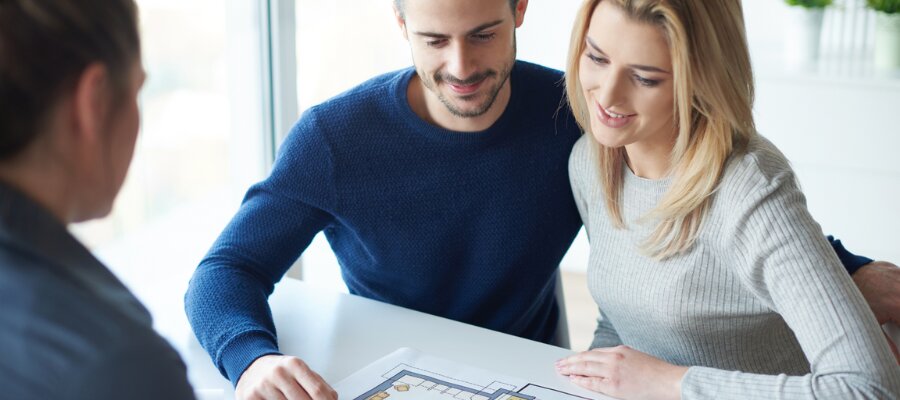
[626, 75]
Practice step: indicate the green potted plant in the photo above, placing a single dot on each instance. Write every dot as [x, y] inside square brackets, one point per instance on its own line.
[887, 34]
[804, 28]
[809, 3]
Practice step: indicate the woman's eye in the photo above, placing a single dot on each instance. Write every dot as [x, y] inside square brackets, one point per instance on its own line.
[646, 82]
[596, 59]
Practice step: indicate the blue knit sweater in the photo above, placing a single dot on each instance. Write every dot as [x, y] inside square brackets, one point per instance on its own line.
[482, 218]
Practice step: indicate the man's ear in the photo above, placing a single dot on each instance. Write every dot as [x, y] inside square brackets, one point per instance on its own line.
[401, 22]
[91, 103]
[521, 6]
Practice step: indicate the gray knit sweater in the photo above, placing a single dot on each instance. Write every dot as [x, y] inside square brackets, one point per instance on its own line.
[759, 307]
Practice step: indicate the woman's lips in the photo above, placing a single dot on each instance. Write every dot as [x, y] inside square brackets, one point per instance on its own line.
[613, 122]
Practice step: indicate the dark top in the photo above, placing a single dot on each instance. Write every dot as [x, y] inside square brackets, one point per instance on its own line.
[69, 329]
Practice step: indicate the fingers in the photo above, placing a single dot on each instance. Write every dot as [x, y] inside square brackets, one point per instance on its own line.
[589, 364]
[285, 382]
[584, 368]
[312, 383]
[596, 355]
[280, 377]
[272, 393]
[596, 384]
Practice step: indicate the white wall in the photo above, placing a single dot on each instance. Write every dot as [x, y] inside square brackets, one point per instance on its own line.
[841, 133]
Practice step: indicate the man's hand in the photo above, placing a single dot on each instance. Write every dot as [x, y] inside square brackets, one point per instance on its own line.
[879, 283]
[277, 377]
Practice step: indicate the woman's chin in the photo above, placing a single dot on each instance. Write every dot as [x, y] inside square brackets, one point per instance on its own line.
[605, 138]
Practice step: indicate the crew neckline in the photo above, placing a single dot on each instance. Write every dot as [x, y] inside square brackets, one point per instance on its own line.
[434, 132]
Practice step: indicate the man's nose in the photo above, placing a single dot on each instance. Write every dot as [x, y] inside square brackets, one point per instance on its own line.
[462, 62]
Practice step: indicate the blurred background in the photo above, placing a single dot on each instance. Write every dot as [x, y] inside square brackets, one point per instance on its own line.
[226, 79]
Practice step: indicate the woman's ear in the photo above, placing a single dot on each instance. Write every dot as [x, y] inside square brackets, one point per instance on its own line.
[91, 103]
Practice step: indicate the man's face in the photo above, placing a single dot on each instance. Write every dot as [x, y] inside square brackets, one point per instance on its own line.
[463, 50]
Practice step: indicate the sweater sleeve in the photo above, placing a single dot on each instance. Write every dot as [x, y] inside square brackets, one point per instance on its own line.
[605, 335]
[851, 262]
[581, 165]
[783, 258]
[227, 298]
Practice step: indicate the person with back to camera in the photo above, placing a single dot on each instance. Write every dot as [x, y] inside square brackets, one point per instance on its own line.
[70, 73]
[713, 280]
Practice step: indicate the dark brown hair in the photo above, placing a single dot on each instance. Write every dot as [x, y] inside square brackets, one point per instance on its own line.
[45, 46]
[399, 5]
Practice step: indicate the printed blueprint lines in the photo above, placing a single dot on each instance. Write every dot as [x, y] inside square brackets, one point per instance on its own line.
[405, 382]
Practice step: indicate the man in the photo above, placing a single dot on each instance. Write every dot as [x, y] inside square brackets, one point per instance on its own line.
[442, 188]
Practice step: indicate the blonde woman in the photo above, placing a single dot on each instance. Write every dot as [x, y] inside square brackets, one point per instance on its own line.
[712, 278]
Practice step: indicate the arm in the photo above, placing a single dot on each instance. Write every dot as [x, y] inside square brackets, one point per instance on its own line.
[784, 261]
[605, 335]
[787, 264]
[226, 301]
[879, 283]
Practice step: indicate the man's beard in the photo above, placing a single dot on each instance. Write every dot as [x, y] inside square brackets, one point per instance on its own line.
[492, 92]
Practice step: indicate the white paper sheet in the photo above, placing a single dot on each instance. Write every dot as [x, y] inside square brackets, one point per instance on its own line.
[408, 374]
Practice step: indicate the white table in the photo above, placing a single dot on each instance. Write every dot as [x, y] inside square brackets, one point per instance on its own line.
[337, 334]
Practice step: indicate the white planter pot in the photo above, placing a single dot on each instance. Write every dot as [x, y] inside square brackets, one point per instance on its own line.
[801, 41]
[887, 42]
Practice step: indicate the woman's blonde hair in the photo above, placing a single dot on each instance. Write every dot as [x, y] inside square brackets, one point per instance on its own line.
[713, 92]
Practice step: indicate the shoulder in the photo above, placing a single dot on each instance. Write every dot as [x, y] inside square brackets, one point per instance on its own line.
[540, 101]
[583, 164]
[583, 158]
[370, 96]
[755, 171]
[538, 86]
[538, 77]
[368, 105]
[56, 330]
[759, 199]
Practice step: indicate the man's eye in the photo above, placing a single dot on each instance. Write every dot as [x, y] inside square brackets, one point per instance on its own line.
[484, 37]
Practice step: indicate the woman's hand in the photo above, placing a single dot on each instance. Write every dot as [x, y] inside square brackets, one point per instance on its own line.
[624, 373]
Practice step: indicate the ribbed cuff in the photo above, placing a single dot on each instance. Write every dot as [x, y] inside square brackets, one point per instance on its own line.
[852, 262]
[695, 384]
[242, 350]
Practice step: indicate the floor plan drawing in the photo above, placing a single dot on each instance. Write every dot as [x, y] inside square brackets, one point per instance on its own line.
[407, 374]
